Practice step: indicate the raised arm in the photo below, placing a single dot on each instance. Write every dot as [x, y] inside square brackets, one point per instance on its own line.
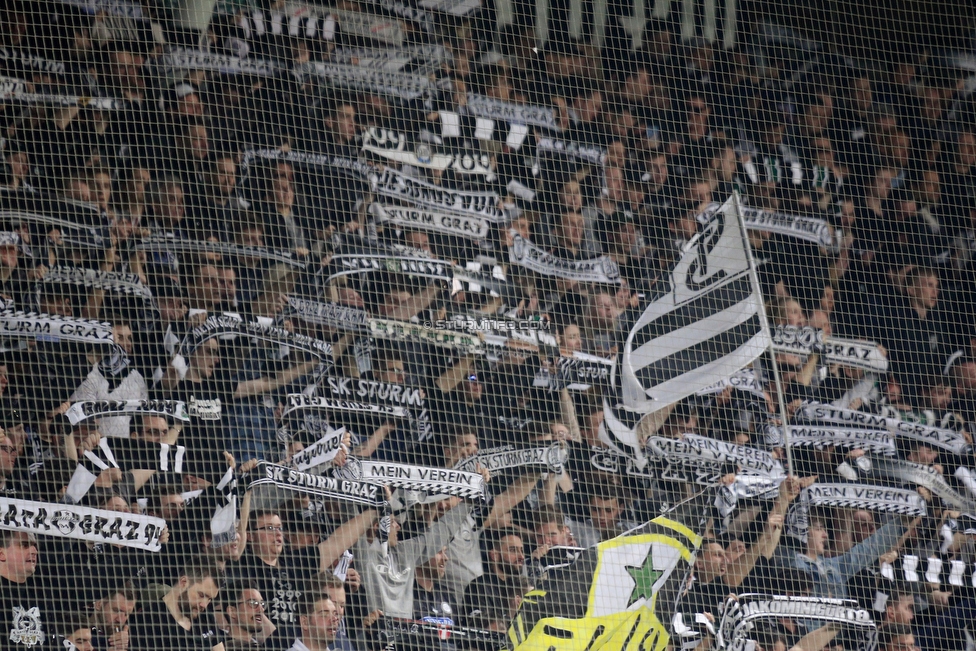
[344, 537]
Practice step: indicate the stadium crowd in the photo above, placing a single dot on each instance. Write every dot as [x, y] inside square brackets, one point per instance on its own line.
[154, 191]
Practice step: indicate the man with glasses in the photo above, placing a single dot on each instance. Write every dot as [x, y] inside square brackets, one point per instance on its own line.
[319, 620]
[9, 453]
[247, 625]
[24, 609]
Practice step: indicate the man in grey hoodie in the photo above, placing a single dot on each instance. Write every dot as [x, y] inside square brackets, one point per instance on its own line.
[388, 565]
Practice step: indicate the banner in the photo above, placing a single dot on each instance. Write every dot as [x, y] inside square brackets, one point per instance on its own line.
[434, 481]
[870, 440]
[496, 109]
[617, 595]
[809, 229]
[289, 479]
[180, 59]
[169, 244]
[595, 270]
[745, 613]
[224, 325]
[80, 411]
[864, 355]
[935, 437]
[393, 184]
[400, 85]
[393, 146]
[82, 523]
[551, 458]
[472, 228]
[111, 281]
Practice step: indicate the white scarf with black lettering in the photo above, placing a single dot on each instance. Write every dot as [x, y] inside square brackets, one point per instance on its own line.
[587, 153]
[495, 109]
[936, 437]
[299, 401]
[401, 85]
[865, 355]
[269, 475]
[595, 270]
[870, 440]
[168, 244]
[550, 458]
[392, 145]
[395, 185]
[115, 282]
[80, 411]
[417, 59]
[180, 59]
[878, 499]
[472, 228]
[809, 229]
[434, 481]
[82, 523]
[223, 325]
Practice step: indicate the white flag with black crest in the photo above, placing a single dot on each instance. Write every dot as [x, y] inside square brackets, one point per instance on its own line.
[705, 329]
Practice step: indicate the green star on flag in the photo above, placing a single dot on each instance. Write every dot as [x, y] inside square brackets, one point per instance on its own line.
[644, 577]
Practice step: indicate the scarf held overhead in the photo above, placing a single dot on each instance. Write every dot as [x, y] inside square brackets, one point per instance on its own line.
[596, 270]
[435, 481]
[82, 523]
[80, 411]
[346, 490]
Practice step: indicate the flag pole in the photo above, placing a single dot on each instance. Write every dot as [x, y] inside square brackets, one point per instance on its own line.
[764, 319]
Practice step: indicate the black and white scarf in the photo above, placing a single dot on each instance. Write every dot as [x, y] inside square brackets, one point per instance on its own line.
[453, 7]
[576, 373]
[52, 327]
[392, 145]
[351, 259]
[932, 436]
[400, 85]
[112, 7]
[270, 475]
[80, 411]
[916, 474]
[421, 18]
[934, 570]
[405, 331]
[374, 392]
[743, 380]
[487, 107]
[870, 440]
[169, 244]
[181, 59]
[417, 59]
[321, 452]
[13, 94]
[395, 185]
[434, 481]
[25, 60]
[593, 154]
[809, 229]
[469, 227]
[95, 238]
[595, 270]
[550, 458]
[225, 325]
[742, 614]
[116, 282]
[865, 355]
[321, 22]
[82, 523]
[332, 315]
[700, 451]
[879, 499]
[299, 401]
